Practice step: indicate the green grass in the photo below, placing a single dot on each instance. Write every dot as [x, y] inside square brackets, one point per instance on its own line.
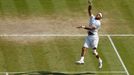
[48, 6]
[54, 55]
[41, 7]
[118, 14]
[8, 7]
[22, 7]
[125, 48]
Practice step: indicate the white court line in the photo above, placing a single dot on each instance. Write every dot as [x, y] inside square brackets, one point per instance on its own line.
[6, 73]
[37, 35]
[93, 72]
[96, 72]
[120, 35]
[112, 43]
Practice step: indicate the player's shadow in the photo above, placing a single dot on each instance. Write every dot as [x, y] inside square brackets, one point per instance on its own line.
[52, 73]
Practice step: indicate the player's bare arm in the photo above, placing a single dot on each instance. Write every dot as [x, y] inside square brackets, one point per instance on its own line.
[89, 8]
[91, 27]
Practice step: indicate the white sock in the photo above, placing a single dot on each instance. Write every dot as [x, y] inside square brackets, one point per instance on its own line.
[82, 58]
[100, 60]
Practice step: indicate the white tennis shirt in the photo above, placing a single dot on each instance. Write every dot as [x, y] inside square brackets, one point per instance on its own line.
[95, 22]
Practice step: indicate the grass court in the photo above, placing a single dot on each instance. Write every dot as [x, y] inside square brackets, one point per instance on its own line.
[56, 55]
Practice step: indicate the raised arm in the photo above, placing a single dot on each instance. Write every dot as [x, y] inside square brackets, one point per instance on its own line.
[90, 8]
[91, 27]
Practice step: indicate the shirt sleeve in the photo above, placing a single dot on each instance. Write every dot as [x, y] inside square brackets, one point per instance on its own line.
[92, 18]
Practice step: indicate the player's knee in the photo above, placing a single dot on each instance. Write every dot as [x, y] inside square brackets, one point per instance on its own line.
[94, 48]
[84, 48]
[95, 52]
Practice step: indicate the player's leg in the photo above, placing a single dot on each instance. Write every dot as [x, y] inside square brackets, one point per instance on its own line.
[83, 52]
[94, 46]
[98, 57]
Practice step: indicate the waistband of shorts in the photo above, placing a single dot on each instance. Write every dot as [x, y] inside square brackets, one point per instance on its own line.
[90, 33]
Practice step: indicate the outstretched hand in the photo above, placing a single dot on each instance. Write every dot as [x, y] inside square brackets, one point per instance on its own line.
[90, 2]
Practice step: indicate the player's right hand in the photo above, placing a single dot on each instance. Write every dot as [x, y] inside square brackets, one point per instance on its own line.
[89, 2]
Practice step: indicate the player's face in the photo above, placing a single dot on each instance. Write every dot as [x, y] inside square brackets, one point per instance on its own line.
[98, 16]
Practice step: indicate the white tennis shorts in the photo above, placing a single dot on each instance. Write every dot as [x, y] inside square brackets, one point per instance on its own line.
[91, 42]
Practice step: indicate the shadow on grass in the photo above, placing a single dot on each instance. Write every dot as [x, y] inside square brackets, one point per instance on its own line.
[53, 73]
